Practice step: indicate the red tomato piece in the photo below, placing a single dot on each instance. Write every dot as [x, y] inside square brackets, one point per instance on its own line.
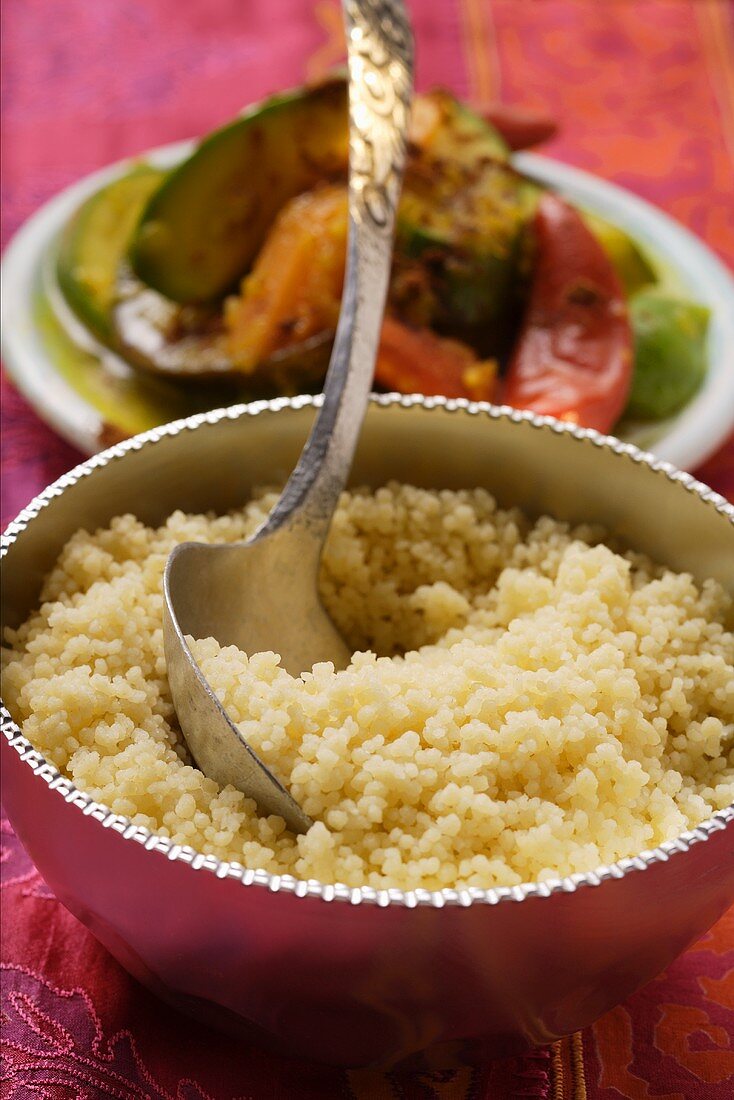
[416, 360]
[573, 358]
[519, 127]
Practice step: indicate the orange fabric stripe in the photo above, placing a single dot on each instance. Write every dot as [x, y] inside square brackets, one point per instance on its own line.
[557, 1075]
[567, 1072]
[577, 1060]
[716, 27]
[480, 49]
[333, 48]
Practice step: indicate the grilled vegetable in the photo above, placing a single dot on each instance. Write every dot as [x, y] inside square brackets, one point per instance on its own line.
[459, 220]
[93, 242]
[264, 198]
[460, 227]
[294, 290]
[202, 229]
[630, 263]
[670, 353]
[518, 127]
[443, 127]
[189, 343]
[165, 337]
[418, 361]
[573, 359]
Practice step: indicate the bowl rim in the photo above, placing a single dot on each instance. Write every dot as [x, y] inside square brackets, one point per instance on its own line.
[289, 884]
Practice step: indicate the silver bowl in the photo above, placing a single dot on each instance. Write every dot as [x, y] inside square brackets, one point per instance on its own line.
[360, 976]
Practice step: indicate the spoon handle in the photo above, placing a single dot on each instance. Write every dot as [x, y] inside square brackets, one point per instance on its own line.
[380, 56]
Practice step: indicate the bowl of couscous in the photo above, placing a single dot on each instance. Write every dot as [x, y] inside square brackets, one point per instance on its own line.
[522, 786]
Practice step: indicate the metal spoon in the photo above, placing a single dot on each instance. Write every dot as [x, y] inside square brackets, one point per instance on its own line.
[263, 594]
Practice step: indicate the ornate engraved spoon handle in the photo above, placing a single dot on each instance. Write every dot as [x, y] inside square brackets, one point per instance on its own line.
[380, 54]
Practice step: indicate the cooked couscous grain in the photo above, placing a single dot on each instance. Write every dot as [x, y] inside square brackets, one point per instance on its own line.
[523, 702]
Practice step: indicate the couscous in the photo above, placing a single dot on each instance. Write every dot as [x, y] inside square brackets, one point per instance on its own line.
[523, 701]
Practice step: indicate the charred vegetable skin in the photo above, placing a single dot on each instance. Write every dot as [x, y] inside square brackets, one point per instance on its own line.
[460, 226]
[573, 359]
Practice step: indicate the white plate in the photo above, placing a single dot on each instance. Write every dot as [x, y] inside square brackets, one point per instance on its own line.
[685, 440]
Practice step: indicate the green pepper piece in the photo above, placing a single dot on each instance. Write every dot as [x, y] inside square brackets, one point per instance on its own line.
[630, 262]
[670, 353]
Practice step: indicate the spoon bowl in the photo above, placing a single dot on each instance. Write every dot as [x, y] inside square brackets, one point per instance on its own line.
[259, 596]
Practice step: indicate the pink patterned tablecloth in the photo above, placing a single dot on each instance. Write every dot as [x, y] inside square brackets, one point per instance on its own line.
[645, 94]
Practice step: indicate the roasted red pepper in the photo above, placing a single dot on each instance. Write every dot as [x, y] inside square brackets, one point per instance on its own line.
[573, 358]
[519, 127]
[416, 360]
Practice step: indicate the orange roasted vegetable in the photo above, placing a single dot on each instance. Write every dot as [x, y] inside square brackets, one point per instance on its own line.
[416, 360]
[294, 290]
[293, 293]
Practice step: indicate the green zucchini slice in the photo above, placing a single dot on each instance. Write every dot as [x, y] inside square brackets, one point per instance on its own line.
[93, 241]
[460, 232]
[201, 230]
